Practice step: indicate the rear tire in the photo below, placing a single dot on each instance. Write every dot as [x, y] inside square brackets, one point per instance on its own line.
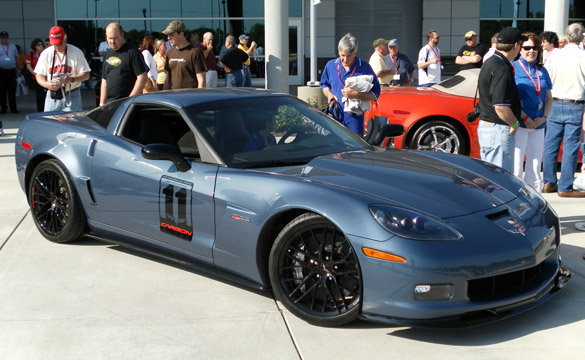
[54, 203]
[439, 136]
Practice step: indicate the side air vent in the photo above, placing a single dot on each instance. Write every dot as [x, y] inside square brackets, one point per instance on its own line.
[498, 215]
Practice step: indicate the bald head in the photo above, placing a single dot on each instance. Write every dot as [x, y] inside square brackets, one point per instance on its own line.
[115, 36]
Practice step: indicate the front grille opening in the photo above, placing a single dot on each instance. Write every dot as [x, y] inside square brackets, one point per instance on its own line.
[510, 284]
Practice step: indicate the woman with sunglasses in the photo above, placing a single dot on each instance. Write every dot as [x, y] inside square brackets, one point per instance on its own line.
[37, 46]
[534, 86]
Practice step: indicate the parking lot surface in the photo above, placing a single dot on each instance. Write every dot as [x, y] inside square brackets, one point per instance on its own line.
[91, 300]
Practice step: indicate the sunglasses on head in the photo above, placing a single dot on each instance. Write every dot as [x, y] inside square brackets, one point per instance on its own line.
[527, 48]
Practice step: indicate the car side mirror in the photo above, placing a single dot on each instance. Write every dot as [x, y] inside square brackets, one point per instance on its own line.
[166, 152]
[379, 130]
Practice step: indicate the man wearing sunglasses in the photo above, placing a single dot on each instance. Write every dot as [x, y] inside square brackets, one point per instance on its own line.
[471, 54]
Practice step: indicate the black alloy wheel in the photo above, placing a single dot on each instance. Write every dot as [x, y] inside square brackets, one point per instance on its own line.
[315, 273]
[54, 203]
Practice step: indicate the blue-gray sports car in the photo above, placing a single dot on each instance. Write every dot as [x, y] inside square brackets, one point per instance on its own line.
[259, 186]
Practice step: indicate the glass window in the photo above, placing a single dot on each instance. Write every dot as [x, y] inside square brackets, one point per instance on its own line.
[76, 9]
[526, 9]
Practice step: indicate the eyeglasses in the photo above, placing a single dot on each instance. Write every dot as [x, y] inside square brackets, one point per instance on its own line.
[39, 44]
[437, 37]
[528, 48]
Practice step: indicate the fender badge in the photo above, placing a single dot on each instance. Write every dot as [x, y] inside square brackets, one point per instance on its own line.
[242, 218]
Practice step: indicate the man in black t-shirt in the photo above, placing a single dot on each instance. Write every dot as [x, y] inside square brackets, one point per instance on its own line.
[499, 101]
[471, 54]
[124, 71]
[232, 61]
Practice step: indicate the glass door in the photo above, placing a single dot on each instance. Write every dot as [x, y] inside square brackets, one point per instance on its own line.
[296, 56]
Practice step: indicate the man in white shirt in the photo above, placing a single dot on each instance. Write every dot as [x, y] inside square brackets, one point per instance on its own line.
[61, 69]
[566, 121]
[429, 61]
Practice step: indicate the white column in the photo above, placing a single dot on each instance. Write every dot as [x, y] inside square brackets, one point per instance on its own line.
[556, 15]
[276, 40]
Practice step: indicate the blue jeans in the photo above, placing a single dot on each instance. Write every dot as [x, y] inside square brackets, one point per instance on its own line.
[234, 79]
[496, 144]
[563, 125]
[74, 97]
[247, 76]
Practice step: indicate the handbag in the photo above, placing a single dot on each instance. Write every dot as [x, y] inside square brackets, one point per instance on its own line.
[579, 182]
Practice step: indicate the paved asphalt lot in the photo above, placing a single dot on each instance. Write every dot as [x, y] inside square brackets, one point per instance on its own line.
[91, 300]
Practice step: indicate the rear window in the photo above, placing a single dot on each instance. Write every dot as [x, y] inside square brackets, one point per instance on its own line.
[103, 114]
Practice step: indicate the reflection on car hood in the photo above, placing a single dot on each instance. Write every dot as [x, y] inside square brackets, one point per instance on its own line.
[410, 178]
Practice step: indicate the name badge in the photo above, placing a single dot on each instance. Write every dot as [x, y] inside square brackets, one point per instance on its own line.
[540, 105]
[7, 59]
[396, 77]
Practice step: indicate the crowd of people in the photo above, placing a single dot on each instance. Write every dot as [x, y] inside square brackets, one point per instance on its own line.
[531, 96]
[57, 69]
[531, 87]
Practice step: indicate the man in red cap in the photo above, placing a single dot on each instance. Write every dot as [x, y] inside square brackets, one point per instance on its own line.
[61, 69]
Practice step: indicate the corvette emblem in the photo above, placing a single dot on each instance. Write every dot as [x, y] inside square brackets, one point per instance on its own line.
[518, 228]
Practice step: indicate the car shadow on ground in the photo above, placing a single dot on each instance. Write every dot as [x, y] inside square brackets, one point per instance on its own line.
[195, 268]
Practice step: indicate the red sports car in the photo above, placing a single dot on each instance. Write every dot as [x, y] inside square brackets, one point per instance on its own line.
[434, 118]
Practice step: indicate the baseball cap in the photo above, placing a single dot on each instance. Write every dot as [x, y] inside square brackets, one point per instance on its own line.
[3, 33]
[393, 42]
[243, 36]
[174, 26]
[56, 35]
[510, 35]
[469, 34]
[379, 42]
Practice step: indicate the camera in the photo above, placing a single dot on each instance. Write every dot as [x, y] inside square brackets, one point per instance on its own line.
[474, 115]
[57, 95]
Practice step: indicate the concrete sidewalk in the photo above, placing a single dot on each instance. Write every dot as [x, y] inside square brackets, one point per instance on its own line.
[91, 300]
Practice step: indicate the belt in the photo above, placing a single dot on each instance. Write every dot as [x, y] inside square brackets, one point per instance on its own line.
[569, 101]
[395, 85]
[211, 70]
[74, 90]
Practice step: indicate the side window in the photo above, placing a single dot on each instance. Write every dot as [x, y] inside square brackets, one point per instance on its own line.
[157, 125]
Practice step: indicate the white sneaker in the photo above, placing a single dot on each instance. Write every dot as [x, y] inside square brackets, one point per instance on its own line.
[1, 131]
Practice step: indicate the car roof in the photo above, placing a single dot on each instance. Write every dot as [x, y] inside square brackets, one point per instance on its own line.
[464, 83]
[188, 97]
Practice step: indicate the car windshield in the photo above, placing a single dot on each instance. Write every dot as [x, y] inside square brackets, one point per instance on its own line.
[271, 131]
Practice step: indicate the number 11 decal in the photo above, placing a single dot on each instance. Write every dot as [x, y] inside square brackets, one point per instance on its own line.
[175, 207]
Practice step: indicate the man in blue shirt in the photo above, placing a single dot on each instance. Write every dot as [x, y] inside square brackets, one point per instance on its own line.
[399, 62]
[336, 73]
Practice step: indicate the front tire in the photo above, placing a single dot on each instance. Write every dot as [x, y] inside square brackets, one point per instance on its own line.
[315, 273]
[54, 203]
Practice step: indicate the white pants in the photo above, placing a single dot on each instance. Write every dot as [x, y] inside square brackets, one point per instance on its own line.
[529, 142]
[211, 79]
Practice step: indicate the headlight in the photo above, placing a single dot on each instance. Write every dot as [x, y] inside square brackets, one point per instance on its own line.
[412, 225]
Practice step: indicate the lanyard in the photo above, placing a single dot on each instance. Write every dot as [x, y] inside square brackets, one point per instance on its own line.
[397, 63]
[6, 50]
[547, 55]
[537, 88]
[437, 56]
[350, 75]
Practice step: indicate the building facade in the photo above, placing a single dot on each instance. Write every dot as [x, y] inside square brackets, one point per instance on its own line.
[406, 20]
